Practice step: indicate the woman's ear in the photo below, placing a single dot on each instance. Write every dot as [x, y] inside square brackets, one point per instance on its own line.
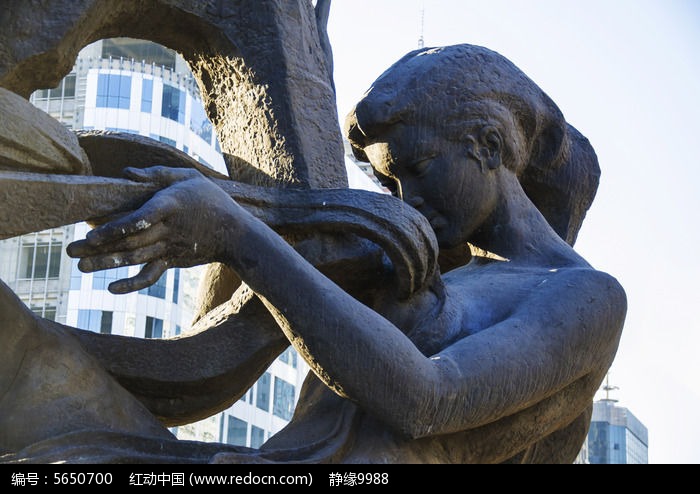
[490, 147]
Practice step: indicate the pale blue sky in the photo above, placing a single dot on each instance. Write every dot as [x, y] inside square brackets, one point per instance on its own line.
[626, 73]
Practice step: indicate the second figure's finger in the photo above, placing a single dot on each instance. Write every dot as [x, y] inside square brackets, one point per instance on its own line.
[127, 258]
[157, 208]
[150, 273]
[152, 235]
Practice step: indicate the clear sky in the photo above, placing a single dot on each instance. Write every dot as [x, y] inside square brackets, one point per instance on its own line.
[626, 74]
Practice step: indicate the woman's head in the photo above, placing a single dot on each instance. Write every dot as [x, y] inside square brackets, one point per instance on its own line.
[462, 91]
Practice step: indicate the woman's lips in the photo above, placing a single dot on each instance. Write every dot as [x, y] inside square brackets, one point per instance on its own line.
[435, 219]
[437, 222]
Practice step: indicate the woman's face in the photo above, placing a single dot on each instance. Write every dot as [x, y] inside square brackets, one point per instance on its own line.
[438, 177]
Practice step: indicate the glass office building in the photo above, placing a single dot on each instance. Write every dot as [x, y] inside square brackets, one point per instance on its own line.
[616, 436]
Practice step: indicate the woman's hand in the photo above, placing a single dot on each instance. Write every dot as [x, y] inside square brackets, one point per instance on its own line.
[182, 225]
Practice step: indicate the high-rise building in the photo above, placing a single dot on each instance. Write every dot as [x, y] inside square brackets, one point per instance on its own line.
[616, 436]
[140, 87]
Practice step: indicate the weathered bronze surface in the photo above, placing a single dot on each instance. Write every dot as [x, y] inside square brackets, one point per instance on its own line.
[451, 323]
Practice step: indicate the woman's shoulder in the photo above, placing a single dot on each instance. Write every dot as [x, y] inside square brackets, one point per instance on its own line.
[588, 277]
[521, 284]
[580, 288]
[488, 268]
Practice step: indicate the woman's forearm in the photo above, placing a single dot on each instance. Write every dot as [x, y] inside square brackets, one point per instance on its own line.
[352, 348]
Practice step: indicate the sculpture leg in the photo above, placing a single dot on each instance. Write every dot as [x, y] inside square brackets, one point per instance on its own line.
[49, 385]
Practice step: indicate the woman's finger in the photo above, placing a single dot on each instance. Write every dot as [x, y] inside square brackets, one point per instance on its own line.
[150, 274]
[142, 255]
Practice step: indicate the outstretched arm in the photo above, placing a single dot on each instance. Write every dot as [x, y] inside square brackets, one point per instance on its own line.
[355, 350]
[339, 231]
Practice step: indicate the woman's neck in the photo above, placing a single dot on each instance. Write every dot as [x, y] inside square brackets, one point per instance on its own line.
[517, 231]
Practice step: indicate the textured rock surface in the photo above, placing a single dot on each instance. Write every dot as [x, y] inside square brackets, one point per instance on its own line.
[260, 66]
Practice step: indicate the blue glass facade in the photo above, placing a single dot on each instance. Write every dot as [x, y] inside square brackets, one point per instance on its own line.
[284, 399]
[237, 432]
[607, 444]
[157, 289]
[113, 91]
[154, 328]
[616, 436]
[147, 95]
[200, 124]
[98, 321]
[173, 104]
[262, 400]
[257, 436]
[102, 279]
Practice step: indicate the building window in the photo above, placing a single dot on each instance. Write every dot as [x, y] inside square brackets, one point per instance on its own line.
[173, 104]
[289, 357]
[45, 311]
[102, 279]
[113, 91]
[76, 277]
[40, 261]
[157, 289]
[147, 95]
[257, 436]
[203, 161]
[178, 330]
[237, 431]
[65, 89]
[176, 285]
[69, 86]
[284, 399]
[98, 321]
[168, 141]
[106, 322]
[199, 122]
[262, 398]
[154, 328]
[122, 130]
[138, 50]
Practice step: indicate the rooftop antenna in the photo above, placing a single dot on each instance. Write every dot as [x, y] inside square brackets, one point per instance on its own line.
[607, 388]
[421, 41]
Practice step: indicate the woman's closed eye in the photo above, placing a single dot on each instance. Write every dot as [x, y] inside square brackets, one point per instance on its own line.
[421, 167]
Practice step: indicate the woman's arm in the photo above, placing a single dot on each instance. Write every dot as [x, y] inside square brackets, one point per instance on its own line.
[564, 332]
[568, 328]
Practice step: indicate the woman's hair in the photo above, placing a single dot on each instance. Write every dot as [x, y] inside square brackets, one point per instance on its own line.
[458, 87]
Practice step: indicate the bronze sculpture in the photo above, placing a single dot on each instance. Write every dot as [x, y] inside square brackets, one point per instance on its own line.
[491, 355]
